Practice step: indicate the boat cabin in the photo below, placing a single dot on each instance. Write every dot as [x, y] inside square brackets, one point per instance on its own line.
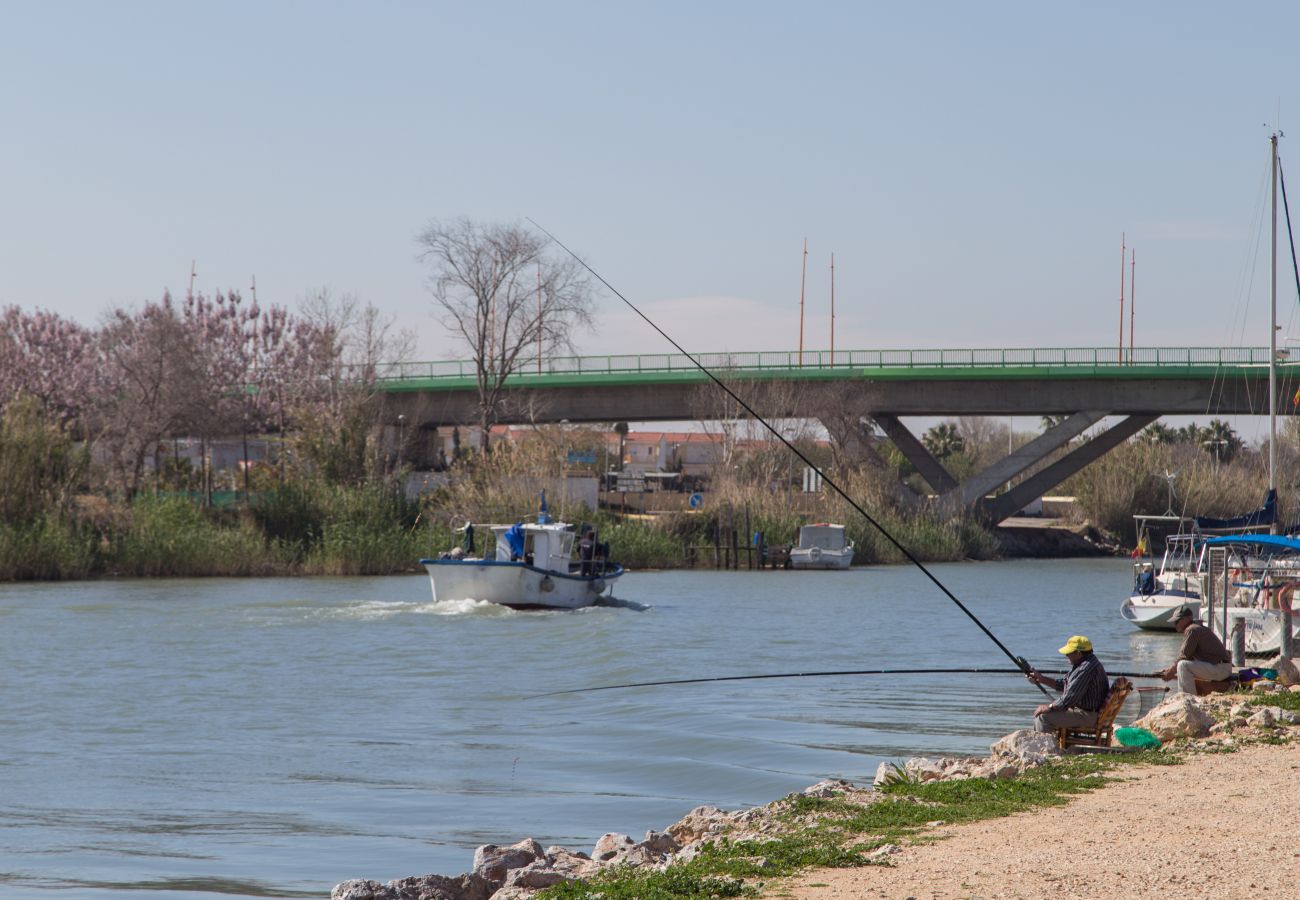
[545, 546]
[822, 536]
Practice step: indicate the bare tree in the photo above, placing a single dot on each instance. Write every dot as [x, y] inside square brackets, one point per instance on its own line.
[505, 298]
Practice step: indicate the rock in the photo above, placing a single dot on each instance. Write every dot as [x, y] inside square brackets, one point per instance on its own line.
[1177, 717]
[703, 821]
[1288, 716]
[1028, 748]
[921, 768]
[420, 887]
[611, 846]
[492, 862]
[534, 876]
[359, 889]
[827, 788]
[1265, 718]
[660, 842]
[572, 863]
[1288, 673]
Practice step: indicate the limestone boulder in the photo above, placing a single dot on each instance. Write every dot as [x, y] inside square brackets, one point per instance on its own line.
[701, 822]
[1180, 716]
[1026, 748]
[611, 847]
[420, 887]
[1288, 673]
[492, 862]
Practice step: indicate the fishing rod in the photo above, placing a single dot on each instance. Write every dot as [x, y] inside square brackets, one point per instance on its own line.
[974, 671]
[827, 480]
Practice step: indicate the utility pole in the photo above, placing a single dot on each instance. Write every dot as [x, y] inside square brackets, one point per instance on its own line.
[803, 279]
[832, 309]
[1122, 254]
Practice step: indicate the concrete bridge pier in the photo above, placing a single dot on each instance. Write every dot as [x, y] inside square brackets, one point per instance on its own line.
[973, 494]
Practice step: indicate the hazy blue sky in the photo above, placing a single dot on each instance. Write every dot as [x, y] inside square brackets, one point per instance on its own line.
[971, 165]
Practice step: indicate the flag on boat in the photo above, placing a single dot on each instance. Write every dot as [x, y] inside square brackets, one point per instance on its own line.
[1142, 547]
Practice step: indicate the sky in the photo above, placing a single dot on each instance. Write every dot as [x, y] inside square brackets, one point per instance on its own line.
[972, 167]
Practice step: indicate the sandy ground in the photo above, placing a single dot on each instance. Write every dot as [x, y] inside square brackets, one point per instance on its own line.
[1219, 825]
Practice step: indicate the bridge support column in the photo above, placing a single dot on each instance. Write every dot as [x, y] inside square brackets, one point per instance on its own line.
[1004, 505]
[1020, 459]
[908, 444]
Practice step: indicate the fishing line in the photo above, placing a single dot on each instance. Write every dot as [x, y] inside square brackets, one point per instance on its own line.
[1019, 661]
[977, 671]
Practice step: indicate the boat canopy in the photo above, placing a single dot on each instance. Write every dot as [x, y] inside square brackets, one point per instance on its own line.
[1260, 518]
[1274, 541]
[825, 536]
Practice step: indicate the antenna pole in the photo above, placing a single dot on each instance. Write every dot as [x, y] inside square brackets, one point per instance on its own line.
[190, 294]
[832, 309]
[253, 287]
[539, 319]
[803, 278]
[1122, 254]
[1132, 300]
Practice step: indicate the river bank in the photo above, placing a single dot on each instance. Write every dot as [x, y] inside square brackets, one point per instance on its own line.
[1218, 825]
[1226, 775]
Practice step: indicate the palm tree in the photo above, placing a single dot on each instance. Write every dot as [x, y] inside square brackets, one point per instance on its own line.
[943, 440]
[1158, 434]
[1221, 440]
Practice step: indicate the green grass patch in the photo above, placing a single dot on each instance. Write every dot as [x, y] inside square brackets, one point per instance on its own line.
[836, 833]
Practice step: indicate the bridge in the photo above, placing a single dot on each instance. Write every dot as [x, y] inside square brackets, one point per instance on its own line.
[853, 392]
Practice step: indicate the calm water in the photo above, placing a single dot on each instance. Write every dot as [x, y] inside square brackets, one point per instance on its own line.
[270, 738]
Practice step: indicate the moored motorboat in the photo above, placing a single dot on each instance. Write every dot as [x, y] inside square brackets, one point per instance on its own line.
[822, 546]
[530, 565]
[1157, 593]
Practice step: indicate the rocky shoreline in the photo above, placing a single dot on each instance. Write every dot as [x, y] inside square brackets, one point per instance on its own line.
[518, 871]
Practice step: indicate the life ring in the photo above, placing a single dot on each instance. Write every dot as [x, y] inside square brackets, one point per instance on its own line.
[547, 585]
[1282, 597]
[815, 554]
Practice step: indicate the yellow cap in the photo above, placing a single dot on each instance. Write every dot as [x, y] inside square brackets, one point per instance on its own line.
[1076, 644]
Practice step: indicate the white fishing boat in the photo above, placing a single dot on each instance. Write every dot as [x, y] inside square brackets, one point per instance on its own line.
[1158, 592]
[822, 546]
[530, 565]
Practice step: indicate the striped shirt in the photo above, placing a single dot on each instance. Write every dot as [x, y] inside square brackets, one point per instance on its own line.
[1085, 687]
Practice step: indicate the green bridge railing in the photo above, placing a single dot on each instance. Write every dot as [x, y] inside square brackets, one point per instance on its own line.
[1024, 357]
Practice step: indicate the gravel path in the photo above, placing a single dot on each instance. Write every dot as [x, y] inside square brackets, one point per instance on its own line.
[1219, 825]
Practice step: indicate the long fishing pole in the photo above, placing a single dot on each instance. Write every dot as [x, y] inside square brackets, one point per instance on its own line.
[1019, 661]
[975, 671]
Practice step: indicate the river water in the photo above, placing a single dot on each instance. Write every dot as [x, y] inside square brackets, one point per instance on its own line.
[272, 737]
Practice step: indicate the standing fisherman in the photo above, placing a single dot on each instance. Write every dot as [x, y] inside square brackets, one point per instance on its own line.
[1083, 690]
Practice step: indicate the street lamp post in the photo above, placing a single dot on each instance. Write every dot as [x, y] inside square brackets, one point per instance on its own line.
[401, 438]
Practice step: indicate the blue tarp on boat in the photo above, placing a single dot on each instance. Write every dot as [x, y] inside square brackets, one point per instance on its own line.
[1260, 517]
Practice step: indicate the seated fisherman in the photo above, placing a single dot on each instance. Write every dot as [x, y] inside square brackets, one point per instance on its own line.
[1083, 690]
[1146, 580]
[1202, 655]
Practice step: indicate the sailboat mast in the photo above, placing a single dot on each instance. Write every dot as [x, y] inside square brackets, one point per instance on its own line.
[1272, 337]
[1122, 254]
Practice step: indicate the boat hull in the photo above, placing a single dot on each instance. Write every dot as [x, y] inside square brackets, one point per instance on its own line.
[1151, 612]
[1263, 629]
[515, 584]
[816, 558]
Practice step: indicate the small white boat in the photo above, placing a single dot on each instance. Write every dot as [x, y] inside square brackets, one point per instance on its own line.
[531, 566]
[1156, 594]
[822, 546]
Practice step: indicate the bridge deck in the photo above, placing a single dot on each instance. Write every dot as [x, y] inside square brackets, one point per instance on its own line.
[1061, 363]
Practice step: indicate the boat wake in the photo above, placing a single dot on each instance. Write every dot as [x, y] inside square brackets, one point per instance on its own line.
[619, 603]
